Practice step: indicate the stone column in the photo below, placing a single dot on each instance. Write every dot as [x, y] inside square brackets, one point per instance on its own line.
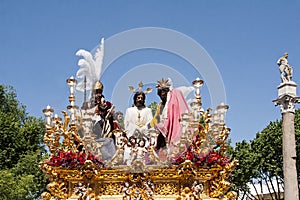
[286, 99]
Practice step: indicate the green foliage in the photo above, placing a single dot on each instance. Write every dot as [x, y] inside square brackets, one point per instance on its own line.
[21, 149]
[153, 107]
[247, 164]
[14, 187]
[24, 181]
[260, 160]
[268, 148]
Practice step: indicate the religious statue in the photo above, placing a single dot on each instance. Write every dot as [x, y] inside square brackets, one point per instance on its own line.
[149, 189]
[152, 155]
[81, 191]
[168, 113]
[141, 150]
[286, 71]
[104, 123]
[119, 117]
[138, 116]
[136, 149]
[136, 123]
[121, 143]
[197, 189]
[130, 150]
[126, 189]
[101, 110]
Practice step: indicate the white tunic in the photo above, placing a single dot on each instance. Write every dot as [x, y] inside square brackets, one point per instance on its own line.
[136, 119]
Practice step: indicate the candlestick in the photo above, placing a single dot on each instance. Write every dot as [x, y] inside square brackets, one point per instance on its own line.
[48, 111]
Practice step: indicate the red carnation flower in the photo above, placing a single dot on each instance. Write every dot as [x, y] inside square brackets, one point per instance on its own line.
[189, 156]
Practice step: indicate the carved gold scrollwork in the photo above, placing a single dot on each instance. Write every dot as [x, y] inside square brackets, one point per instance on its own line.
[219, 185]
[88, 170]
[166, 188]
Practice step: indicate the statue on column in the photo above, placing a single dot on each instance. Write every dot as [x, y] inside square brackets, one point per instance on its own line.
[286, 71]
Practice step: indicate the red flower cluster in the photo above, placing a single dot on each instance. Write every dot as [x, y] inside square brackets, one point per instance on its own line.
[203, 159]
[71, 160]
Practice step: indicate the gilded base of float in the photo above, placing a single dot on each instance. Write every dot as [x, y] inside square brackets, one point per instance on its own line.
[176, 182]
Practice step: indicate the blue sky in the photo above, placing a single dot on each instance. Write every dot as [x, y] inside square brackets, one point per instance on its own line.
[39, 40]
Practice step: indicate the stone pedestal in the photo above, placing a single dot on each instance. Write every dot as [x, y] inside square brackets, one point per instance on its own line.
[288, 88]
[287, 98]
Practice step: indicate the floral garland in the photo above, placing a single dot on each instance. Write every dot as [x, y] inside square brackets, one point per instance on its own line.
[72, 160]
[208, 159]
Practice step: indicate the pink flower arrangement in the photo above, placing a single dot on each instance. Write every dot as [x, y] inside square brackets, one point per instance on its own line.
[71, 160]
